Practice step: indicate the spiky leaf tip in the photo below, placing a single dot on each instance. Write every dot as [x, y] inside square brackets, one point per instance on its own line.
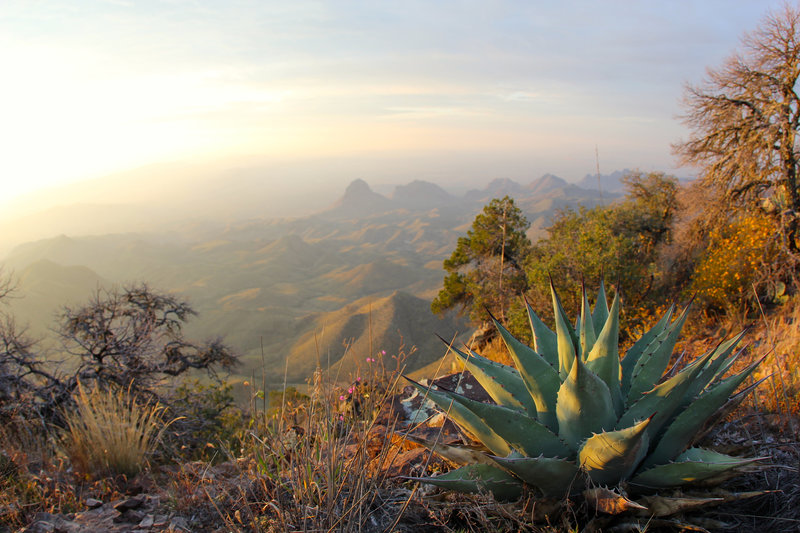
[693, 466]
[612, 456]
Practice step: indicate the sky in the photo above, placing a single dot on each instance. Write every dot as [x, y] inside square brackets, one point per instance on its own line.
[94, 87]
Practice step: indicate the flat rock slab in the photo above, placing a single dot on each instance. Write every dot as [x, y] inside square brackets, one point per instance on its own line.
[139, 513]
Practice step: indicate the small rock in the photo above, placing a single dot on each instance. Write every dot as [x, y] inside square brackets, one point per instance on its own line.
[41, 526]
[147, 522]
[130, 516]
[130, 503]
[91, 503]
[67, 526]
[179, 523]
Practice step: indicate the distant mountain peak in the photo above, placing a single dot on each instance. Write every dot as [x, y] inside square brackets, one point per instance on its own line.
[504, 186]
[359, 200]
[357, 187]
[497, 188]
[605, 182]
[546, 183]
[420, 194]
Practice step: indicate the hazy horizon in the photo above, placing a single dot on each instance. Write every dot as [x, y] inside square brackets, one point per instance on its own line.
[443, 92]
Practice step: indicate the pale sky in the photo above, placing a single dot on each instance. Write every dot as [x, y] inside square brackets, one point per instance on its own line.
[92, 87]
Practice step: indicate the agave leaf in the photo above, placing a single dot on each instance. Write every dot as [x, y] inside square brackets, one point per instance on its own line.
[503, 383]
[540, 378]
[727, 408]
[664, 399]
[634, 352]
[716, 366]
[544, 338]
[654, 359]
[461, 455]
[584, 405]
[610, 502]
[612, 456]
[600, 313]
[565, 335]
[603, 360]
[687, 424]
[478, 478]
[466, 419]
[554, 477]
[586, 325]
[692, 466]
[665, 506]
[728, 362]
[520, 431]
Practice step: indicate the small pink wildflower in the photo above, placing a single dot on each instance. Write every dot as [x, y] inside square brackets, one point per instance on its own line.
[358, 379]
[350, 390]
[383, 352]
[341, 397]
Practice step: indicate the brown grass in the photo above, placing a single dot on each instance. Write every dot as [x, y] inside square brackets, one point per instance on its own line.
[110, 432]
[322, 463]
[314, 464]
[780, 334]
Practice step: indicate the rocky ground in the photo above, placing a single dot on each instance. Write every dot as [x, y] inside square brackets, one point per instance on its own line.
[198, 496]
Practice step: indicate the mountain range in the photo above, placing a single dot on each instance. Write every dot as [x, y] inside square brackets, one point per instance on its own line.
[332, 287]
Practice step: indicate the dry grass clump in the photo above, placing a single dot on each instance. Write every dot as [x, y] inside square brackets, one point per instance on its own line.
[315, 463]
[781, 334]
[111, 432]
[34, 479]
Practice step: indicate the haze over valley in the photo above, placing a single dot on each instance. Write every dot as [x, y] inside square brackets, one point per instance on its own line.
[355, 273]
[295, 169]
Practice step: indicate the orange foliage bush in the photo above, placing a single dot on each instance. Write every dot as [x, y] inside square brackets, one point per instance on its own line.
[735, 255]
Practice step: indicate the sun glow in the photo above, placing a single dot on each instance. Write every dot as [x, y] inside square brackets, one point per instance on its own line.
[99, 87]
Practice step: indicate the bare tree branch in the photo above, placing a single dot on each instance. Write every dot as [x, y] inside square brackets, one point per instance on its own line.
[744, 120]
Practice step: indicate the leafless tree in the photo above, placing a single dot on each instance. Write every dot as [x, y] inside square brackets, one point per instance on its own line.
[744, 119]
[26, 384]
[131, 337]
[134, 336]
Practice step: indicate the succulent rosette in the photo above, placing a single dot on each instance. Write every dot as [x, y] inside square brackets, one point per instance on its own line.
[574, 412]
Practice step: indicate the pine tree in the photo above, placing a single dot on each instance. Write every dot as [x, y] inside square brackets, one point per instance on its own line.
[485, 271]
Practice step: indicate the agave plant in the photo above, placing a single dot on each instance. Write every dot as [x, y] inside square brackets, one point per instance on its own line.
[573, 412]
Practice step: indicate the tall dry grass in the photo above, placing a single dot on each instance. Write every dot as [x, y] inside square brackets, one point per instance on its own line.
[320, 464]
[779, 335]
[109, 432]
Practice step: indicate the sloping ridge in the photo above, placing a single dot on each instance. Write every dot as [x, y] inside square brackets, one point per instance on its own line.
[289, 249]
[370, 278]
[290, 258]
[497, 188]
[343, 339]
[31, 252]
[50, 273]
[45, 287]
[546, 183]
[420, 195]
[608, 183]
[358, 200]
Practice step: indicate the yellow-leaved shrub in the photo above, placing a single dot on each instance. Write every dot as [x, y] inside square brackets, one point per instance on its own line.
[736, 253]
